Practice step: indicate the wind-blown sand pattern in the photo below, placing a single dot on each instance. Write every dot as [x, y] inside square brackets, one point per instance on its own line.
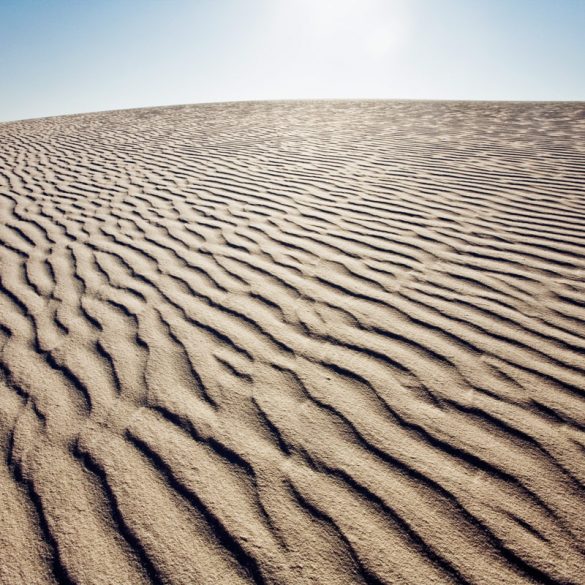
[329, 342]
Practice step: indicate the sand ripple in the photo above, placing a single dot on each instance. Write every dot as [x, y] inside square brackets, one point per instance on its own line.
[330, 342]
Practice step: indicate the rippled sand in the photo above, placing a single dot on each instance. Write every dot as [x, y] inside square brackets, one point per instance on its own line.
[297, 342]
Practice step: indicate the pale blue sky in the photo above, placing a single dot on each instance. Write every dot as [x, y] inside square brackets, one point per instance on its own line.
[70, 56]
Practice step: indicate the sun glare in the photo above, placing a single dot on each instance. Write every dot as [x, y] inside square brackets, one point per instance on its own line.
[373, 28]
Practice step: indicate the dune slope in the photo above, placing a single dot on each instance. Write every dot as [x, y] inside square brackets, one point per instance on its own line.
[313, 342]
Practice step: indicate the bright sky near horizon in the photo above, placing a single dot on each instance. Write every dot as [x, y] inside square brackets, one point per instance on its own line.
[67, 56]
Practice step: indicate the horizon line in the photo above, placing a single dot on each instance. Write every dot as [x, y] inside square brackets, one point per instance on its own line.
[276, 100]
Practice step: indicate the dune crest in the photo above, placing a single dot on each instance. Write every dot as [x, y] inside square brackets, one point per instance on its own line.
[294, 342]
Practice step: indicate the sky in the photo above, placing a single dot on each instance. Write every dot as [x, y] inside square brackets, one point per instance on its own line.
[73, 56]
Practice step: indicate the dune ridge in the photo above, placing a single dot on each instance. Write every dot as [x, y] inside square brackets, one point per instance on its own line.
[294, 342]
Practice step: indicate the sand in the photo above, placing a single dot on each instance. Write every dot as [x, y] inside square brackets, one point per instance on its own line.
[294, 342]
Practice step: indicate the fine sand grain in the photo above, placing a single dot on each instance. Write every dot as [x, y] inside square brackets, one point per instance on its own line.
[294, 343]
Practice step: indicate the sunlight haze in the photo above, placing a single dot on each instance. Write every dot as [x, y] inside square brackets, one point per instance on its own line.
[63, 56]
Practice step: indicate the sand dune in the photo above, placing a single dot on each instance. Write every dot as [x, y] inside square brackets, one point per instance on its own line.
[329, 342]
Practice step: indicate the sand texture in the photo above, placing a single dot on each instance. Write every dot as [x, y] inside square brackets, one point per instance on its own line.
[294, 343]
